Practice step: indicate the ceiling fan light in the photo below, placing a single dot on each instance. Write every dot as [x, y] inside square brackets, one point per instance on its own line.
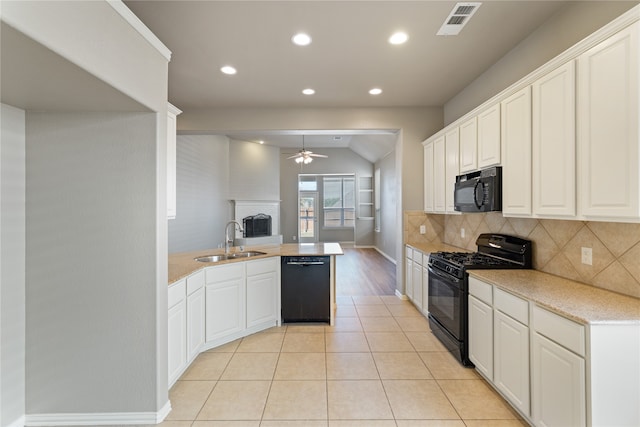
[299, 159]
[307, 160]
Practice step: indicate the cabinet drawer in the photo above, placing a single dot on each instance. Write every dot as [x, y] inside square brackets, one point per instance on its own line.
[417, 256]
[563, 331]
[177, 293]
[195, 282]
[482, 291]
[261, 266]
[408, 251]
[223, 273]
[511, 305]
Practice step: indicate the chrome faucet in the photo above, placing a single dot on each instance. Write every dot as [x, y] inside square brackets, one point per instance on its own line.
[229, 240]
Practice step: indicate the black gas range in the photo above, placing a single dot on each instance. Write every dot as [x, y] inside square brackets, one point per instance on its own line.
[449, 285]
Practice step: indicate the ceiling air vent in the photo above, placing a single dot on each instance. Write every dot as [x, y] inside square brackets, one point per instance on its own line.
[458, 18]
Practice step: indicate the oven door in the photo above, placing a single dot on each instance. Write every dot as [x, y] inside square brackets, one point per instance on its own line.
[445, 301]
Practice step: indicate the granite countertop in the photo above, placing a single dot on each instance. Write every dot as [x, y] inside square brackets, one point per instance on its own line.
[183, 264]
[582, 303]
[436, 247]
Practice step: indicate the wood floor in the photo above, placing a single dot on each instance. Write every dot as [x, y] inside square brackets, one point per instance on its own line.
[364, 272]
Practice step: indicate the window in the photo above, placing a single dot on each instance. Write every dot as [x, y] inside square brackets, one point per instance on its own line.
[338, 201]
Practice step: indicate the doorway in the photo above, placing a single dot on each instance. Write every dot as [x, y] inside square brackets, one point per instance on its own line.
[307, 217]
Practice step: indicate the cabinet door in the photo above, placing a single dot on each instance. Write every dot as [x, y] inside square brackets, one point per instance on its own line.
[608, 94]
[225, 302]
[516, 153]
[452, 166]
[425, 288]
[558, 385]
[262, 294]
[469, 145]
[438, 175]
[428, 177]
[489, 137]
[416, 277]
[177, 341]
[408, 284]
[481, 336]
[511, 360]
[554, 145]
[195, 323]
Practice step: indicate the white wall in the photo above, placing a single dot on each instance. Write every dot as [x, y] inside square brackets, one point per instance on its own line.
[386, 238]
[570, 25]
[202, 193]
[12, 265]
[91, 252]
[254, 171]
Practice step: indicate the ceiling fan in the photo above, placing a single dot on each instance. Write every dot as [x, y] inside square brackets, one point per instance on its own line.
[305, 156]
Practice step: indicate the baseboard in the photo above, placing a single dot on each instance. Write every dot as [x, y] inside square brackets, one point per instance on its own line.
[18, 422]
[385, 255]
[99, 419]
[401, 296]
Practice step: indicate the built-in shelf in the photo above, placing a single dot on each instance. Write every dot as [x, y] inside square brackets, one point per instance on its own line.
[365, 198]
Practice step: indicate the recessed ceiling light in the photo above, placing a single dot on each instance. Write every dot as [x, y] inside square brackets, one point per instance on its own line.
[301, 39]
[398, 38]
[260, 142]
[375, 91]
[228, 69]
[308, 91]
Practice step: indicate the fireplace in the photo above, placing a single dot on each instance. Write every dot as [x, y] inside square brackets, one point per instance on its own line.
[256, 225]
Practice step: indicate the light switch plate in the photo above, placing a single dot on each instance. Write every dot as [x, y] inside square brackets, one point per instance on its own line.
[587, 256]
[462, 233]
[423, 229]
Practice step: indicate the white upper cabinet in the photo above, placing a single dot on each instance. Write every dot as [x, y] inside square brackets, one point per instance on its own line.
[516, 153]
[428, 177]
[172, 114]
[608, 96]
[452, 166]
[469, 145]
[439, 175]
[554, 144]
[489, 137]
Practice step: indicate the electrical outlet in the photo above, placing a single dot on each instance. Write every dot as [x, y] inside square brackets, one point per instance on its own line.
[423, 229]
[462, 233]
[294, 238]
[587, 256]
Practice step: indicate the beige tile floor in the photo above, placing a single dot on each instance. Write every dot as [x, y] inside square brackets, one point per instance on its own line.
[379, 366]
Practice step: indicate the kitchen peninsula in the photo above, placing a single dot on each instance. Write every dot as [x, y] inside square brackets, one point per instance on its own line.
[213, 303]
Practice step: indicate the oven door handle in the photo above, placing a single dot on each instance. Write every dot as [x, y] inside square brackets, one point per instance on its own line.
[444, 276]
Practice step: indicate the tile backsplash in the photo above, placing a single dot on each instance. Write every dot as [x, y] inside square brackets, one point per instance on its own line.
[556, 244]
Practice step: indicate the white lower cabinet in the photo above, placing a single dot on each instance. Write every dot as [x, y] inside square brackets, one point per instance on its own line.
[219, 304]
[481, 336]
[425, 286]
[195, 323]
[408, 272]
[177, 331]
[417, 279]
[511, 350]
[225, 301]
[263, 294]
[558, 385]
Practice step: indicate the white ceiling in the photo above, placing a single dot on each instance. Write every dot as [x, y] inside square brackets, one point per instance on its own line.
[348, 56]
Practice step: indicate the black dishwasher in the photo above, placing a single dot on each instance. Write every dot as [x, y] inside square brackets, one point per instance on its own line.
[306, 289]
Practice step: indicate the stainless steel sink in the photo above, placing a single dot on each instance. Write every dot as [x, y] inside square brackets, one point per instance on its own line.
[246, 254]
[211, 258]
[222, 257]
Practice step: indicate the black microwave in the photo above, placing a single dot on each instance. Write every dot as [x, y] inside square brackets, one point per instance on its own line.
[479, 191]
